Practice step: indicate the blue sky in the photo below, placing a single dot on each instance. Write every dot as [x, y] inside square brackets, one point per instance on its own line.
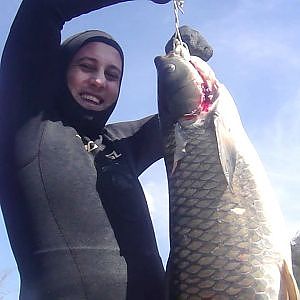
[256, 55]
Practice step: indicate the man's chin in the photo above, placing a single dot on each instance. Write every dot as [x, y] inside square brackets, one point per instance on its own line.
[92, 106]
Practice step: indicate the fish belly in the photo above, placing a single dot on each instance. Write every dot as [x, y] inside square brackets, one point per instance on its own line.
[296, 257]
[220, 245]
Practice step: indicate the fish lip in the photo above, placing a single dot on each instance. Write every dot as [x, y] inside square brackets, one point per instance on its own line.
[158, 61]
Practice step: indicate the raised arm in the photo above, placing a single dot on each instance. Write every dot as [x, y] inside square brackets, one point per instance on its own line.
[31, 51]
[30, 60]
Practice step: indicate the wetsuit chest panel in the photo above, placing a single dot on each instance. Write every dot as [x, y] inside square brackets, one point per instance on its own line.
[74, 245]
[27, 140]
[69, 178]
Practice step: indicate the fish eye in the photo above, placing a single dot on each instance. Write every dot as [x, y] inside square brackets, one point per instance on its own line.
[169, 68]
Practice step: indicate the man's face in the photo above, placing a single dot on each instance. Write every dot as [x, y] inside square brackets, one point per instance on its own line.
[94, 76]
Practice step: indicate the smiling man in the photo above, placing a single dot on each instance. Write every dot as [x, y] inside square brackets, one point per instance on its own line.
[94, 76]
[74, 209]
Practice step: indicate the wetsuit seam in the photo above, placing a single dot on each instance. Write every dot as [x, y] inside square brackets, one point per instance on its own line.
[25, 164]
[53, 214]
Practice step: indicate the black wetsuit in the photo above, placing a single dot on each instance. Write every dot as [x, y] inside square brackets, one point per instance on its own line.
[69, 213]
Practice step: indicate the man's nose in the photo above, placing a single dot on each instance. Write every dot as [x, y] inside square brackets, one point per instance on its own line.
[99, 79]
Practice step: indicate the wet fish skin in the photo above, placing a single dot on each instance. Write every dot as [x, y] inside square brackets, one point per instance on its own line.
[296, 257]
[224, 219]
[180, 82]
[212, 232]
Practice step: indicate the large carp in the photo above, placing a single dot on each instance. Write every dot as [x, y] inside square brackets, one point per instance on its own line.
[227, 236]
[296, 257]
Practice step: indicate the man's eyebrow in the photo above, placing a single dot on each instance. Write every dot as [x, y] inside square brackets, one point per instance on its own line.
[85, 58]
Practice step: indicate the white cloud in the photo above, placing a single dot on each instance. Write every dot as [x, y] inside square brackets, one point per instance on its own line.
[279, 147]
[251, 32]
[283, 134]
[263, 48]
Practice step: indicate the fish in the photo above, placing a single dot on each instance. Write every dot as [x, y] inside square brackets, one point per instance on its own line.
[228, 238]
[296, 257]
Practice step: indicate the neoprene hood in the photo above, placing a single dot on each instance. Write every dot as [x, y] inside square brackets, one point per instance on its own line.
[86, 122]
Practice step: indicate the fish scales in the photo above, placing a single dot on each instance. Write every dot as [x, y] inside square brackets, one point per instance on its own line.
[225, 222]
[219, 240]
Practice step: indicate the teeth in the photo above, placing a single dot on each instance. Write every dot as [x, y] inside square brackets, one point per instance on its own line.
[91, 98]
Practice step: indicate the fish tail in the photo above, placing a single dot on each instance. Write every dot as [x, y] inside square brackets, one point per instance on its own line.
[288, 283]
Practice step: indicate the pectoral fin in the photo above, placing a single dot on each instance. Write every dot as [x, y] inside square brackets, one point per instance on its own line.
[288, 284]
[226, 147]
[180, 141]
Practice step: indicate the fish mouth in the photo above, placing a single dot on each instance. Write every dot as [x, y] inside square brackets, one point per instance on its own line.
[158, 61]
[164, 59]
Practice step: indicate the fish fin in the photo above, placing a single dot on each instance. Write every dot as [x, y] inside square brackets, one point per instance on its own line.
[226, 147]
[288, 285]
[180, 144]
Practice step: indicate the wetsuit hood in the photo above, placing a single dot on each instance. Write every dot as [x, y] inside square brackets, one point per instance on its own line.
[86, 122]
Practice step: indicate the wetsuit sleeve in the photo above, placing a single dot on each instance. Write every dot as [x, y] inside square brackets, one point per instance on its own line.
[146, 144]
[144, 140]
[30, 61]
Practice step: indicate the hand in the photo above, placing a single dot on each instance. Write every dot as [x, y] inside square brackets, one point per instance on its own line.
[161, 1]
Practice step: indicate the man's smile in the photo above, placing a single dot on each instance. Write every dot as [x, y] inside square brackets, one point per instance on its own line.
[90, 98]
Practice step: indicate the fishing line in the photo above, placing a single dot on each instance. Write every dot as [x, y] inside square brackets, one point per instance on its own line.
[178, 6]
[179, 47]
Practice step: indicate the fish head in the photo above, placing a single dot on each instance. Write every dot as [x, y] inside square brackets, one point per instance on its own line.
[179, 91]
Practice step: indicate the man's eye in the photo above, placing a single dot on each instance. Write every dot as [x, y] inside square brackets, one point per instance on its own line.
[86, 67]
[113, 76]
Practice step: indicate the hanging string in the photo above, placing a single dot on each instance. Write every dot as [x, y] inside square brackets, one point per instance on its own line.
[178, 6]
[179, 47]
